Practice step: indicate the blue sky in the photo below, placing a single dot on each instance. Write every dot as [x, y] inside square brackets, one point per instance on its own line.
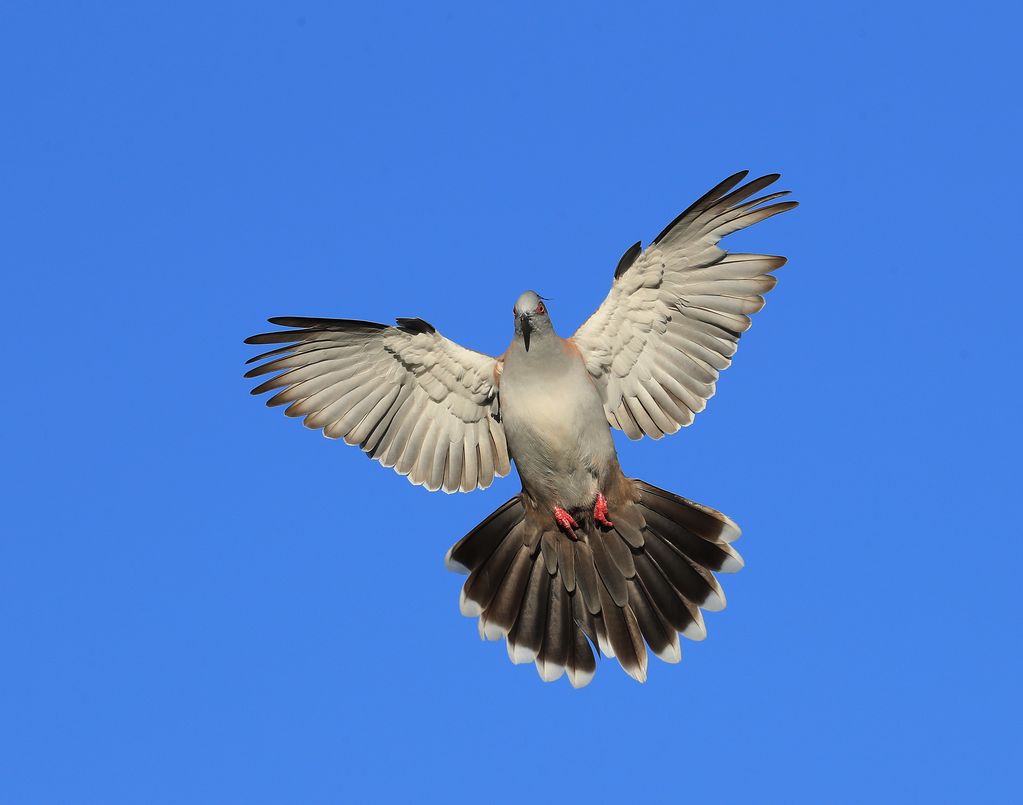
[200, 601]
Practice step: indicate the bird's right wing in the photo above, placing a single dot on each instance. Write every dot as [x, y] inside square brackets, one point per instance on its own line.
[409, 397]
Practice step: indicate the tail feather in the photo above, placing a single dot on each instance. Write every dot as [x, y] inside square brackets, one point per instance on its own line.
[553, 659]
[555, 597]
[484, 582]
[624, 635]
[629, 524]
[611, 578]
[526, 637]
[504, 609]
[702, 520]
[619, 551]
[658, 633]
[549, 550]
[586, 577]
[683, 616]
[603, 641]
[566, 564]
[681, 573]
[472, 550]
[669, 519]
[581, 663]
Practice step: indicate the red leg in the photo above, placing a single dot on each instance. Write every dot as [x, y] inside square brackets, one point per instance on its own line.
[565, 520]
[600, 510]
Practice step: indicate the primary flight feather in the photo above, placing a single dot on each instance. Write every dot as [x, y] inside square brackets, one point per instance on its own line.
[583, 556]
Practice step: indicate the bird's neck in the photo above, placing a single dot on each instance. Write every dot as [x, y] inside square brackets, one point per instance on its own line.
[546, 350]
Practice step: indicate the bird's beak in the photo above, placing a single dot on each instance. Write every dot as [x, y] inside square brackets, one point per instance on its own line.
[527, 328]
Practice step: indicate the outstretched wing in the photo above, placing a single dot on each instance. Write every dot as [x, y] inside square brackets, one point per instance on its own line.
[410, 398]
[675, 312]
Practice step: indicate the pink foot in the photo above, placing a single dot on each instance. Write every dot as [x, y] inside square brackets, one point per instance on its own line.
[565, 520]
[600, 511]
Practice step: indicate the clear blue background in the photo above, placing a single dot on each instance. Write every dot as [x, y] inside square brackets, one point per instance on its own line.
[200, 601]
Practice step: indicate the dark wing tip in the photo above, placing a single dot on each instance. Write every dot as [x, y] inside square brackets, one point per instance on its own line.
[261, 338]
[304, 326]
[634, 251]
[278, 336]
[713, 194]
[314, 323]
[415, 326]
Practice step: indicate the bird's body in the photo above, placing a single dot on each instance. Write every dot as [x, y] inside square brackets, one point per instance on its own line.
[554, 423]
[583, 556]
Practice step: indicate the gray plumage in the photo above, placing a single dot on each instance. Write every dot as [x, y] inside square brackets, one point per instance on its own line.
[583, 557]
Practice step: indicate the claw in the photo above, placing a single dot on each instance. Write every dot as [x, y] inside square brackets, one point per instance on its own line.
[600, 511]
[565, 520]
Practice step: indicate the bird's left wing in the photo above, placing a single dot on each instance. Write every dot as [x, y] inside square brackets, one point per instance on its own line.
[409, 397]
[675, 312]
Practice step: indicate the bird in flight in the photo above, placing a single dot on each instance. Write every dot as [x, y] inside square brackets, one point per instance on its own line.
[583, 557]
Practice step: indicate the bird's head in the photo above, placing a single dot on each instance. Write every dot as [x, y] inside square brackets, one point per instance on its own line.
[531, 318]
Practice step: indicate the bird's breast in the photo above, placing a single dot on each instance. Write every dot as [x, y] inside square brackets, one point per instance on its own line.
[556, 430]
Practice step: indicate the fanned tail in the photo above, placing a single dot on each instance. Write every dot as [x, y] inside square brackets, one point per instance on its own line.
[640, 583]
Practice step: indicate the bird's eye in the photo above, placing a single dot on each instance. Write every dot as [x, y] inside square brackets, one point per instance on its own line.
[541, 309]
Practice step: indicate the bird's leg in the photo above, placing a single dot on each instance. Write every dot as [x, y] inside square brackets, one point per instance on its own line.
[600, 510]
[565, 520]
